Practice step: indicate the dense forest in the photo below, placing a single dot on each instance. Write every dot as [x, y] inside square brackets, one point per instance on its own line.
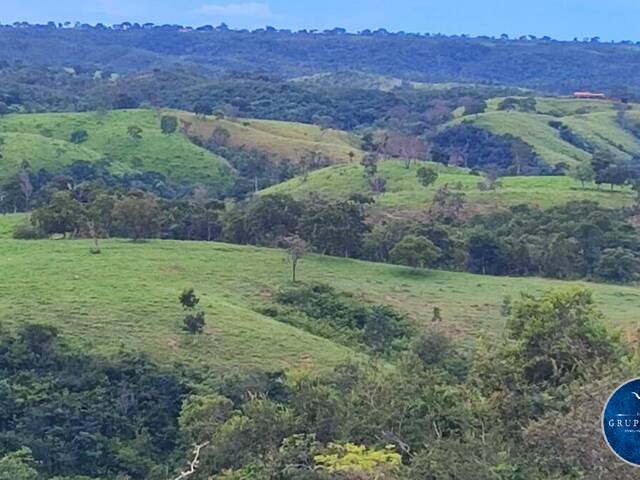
[540, 63]
[50, 68]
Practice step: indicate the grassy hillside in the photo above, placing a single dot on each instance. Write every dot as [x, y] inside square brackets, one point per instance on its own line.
[405, 193]
[592, 120]
[44, 141]
[369, 81]
[350, 79]
[288, 140]
[127, 298]
[8, 222]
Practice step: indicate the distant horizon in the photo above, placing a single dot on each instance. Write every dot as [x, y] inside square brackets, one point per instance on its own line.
[562, 20]
[70, 25]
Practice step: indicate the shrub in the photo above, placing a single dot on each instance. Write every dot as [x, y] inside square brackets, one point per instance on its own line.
[194, 323]
[321, 310]
[188, 299]
[26, 231]
[168, 124]
[79, 136]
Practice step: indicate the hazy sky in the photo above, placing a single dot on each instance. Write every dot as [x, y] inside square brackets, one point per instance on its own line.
[564, 19]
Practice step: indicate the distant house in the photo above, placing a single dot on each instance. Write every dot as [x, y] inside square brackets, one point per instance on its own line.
[590, 95]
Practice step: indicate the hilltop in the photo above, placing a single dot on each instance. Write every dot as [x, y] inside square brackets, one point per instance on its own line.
[283, 140]
[565, 130]
[368, 81]
[45, 141]
[405, 195]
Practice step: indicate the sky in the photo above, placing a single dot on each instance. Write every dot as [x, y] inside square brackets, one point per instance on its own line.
[561, 19]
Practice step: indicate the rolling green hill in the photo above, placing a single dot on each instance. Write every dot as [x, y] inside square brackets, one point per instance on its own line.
[126, 297]
[594, 121]
[44, 140]
[289, 140]
[354, 79]
[405, 194]
[8, 223]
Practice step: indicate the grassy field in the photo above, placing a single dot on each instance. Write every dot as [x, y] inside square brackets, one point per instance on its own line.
[593, 120]
[8, 223]
[372, 81]
[404, 193]
[126, 298]
[289, 140]
[44, 141]
[350, 79]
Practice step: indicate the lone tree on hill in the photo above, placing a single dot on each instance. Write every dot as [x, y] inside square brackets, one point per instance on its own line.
[193, 320]
[427, 176]
[584, 173]
[297, 248]
[220, 137]
[188, 299]
[168, 124]
[370, 164]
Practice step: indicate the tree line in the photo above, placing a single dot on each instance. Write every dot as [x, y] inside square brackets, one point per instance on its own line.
[547, 65]
[571, 241]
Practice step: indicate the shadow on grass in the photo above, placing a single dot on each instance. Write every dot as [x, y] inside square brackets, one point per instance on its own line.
[130, 241]
[413, 273]
[607, 190]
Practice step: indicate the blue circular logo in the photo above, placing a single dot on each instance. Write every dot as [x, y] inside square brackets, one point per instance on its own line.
[621, 422]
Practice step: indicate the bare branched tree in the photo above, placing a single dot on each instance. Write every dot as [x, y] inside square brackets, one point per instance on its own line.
[195, 463]
[297, 248]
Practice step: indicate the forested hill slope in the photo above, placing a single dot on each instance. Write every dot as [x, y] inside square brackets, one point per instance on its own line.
[545, 64]
[564, 130]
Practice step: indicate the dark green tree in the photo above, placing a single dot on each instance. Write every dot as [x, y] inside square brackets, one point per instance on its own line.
[202, 109]
[188, 299]
[618, 265]
[168, 124]
[333, 228]
[79, 136]
[415, 251]
[194, 320]
[370, 164]
[137, 217]
[427, 176]
[63, 214]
